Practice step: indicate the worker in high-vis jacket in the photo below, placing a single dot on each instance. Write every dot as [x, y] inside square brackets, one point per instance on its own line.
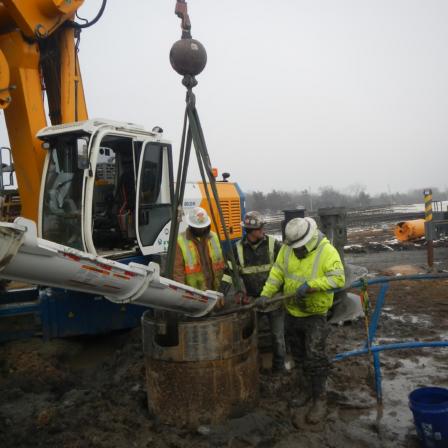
[199, 260]
[255, 254]
[309, 268]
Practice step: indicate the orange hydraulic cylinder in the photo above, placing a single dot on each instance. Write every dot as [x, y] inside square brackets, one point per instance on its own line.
[25, 116]
[73, 103]
[410, 230]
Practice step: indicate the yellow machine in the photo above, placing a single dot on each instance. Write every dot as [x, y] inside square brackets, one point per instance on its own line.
[96, 185]
[105, 188]
[37, 52]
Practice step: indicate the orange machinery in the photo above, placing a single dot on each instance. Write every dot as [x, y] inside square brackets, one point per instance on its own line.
[410, 230]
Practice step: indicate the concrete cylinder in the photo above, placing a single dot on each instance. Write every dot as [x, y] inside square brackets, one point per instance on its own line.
[201, 371]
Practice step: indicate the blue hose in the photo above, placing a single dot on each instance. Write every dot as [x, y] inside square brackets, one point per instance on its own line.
[377, 280]
[395, 346]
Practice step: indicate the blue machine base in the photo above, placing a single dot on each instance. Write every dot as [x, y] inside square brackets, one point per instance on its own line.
[57, 313]
[66, 313]
[60, 313]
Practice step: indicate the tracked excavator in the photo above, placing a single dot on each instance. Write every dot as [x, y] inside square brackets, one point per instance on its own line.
[97, 195]
[99, 202]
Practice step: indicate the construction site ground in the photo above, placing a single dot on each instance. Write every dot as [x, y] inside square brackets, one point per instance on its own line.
[90, 392]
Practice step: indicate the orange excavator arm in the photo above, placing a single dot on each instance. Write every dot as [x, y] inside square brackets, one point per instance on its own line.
[37, 54]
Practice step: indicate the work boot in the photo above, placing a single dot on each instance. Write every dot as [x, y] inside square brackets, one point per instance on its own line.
[318, 410]
[302, 398]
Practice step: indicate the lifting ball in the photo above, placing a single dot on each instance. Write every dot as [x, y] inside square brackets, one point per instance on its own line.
[188, 57]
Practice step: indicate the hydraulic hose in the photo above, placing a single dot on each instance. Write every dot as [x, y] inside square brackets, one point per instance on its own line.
[91, 22]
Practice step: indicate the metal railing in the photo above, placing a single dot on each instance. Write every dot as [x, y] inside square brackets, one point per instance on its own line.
[369, 346]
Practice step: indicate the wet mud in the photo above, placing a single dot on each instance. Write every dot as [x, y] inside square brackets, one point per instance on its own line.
[90, 392]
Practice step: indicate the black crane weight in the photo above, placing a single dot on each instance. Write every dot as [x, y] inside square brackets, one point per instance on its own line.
[188, 57]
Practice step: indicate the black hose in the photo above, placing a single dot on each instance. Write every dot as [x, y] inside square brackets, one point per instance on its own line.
[81, 18]
[92, 22]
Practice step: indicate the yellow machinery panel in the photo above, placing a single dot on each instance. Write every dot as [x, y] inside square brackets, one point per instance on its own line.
[39, 17]
[230, 199]
[5, 97]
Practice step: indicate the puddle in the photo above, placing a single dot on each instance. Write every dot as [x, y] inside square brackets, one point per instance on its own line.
[423, 320]
[384, 340]
[395, 418]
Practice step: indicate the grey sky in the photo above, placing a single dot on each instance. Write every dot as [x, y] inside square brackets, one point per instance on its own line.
[296, 94]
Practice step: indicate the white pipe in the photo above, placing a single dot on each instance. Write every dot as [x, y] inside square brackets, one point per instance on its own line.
[25, 257]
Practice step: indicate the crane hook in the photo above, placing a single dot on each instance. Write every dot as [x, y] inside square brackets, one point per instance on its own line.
[181, 11]
[187, 56]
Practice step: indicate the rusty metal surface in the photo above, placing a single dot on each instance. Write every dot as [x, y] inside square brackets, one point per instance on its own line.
[184, 388]
[208, 339]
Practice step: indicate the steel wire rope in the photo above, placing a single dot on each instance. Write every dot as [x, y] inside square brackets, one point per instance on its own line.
[201, 147]
[185, 149]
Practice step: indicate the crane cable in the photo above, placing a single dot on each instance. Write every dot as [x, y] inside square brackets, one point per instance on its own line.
[193, 133]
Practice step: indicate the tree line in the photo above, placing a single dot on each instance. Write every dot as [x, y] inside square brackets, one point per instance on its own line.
[356, 197]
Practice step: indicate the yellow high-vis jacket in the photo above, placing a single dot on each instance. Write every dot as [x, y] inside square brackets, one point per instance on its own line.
[201, 264]
[322, 269]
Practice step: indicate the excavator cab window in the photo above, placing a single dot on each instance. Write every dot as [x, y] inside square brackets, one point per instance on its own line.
[62, 196]
[154, 195]
[82, 145]
[113, 207]
[129, 195]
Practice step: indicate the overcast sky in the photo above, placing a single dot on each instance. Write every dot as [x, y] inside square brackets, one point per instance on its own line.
[296, 93]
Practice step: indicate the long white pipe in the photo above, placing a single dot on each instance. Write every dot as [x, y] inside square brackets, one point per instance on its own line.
[27, 258]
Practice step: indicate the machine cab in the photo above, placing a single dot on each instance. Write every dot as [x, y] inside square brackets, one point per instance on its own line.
[106, 188]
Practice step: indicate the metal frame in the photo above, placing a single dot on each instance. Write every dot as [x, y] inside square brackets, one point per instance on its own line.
[374, 350]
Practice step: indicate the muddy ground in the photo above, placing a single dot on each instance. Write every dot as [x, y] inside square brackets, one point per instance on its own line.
[90, 392]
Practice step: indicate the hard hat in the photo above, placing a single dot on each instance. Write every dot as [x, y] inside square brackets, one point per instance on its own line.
[198, 218]
[299, 231]
[253, 220]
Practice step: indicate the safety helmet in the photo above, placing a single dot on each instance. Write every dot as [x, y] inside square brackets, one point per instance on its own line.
[198, 218]
[253, 220]
[299, 231]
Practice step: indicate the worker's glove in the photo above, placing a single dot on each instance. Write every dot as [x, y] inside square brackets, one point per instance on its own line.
[262, 302]
[220, 303]
[224, 288]
[241, 298]
[302, 291]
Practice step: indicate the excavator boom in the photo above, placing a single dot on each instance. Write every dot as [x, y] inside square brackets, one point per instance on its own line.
[25, 257]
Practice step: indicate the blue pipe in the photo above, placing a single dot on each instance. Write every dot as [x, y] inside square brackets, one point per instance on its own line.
[378, 280]
[377, 369]
[394, 346]
[376, 349]
[377, 312]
